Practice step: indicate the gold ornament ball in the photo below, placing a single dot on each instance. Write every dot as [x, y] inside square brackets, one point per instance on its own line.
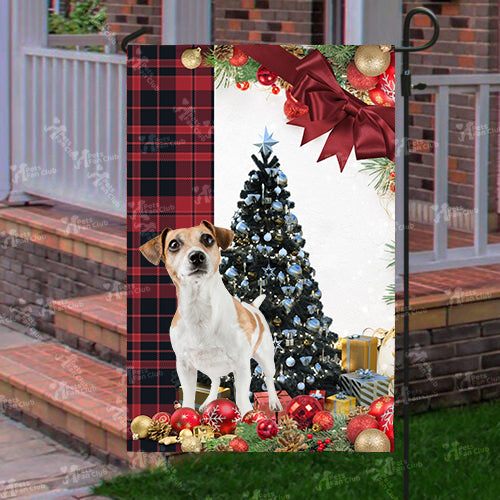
[185, 433]
[385, 48]
[370, 60]
[191, 58]
[372, 440]
[139, 426]
[192, 444]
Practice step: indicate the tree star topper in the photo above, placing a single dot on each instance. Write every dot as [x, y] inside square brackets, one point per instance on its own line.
[266, 146]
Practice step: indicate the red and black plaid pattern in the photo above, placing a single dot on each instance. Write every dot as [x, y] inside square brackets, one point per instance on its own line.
[170, 113]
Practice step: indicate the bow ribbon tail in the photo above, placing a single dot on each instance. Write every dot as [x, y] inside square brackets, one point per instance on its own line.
[340, 142]
[374, 134]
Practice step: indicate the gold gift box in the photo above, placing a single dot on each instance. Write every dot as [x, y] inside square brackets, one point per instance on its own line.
[202, 392]
[359, 351]
[334, 405]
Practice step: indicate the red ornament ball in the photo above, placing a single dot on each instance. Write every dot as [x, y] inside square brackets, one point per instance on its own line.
[293, 108]
[275, 90]
[359, 424]
[184, 418]
[386, 424]
[242, 85]
[162, 417]
[238, 444]
[378, 96]
[239, 58]
[324, 419]
[379, 406]
[358, 80]
[267, 428]
[222, 415]
[266, 77]
[253, 416]
[302, 409]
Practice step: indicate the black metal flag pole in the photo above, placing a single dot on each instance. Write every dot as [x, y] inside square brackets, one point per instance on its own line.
[406, 87]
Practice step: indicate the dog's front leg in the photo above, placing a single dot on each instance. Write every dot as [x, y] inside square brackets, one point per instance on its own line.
[187, 376]
[214, 392]
[242, 380]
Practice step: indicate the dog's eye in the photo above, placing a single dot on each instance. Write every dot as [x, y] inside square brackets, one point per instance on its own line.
[207, 240]
[174, 245]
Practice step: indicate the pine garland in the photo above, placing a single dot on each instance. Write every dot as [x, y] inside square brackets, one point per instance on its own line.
[380, 170]
[248, 432]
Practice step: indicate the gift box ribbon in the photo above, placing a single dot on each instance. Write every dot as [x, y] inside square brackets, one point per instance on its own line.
[365, 374]
[351, 122]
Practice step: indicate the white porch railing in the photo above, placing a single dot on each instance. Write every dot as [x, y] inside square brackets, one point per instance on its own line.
[68, 118]
[442, 257]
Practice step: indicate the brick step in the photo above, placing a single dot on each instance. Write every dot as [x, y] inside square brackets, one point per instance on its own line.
[69, 392]
[96, 324]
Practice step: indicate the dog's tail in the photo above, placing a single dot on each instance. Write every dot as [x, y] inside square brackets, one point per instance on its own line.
[258, 301]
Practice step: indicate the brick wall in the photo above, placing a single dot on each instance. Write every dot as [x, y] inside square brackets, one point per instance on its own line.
[451, 366]
[468, 43]
[31, 276]
[127, 16]
[268, 21]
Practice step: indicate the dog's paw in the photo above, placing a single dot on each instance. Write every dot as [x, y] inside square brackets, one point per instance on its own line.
[275, 405]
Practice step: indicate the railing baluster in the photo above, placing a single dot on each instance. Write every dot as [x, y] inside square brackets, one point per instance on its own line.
[481, 164]
[121, 163]
[441, 173]
[78, 104]
[66, 178]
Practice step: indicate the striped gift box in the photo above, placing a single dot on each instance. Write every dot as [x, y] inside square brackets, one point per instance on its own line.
[364, 385]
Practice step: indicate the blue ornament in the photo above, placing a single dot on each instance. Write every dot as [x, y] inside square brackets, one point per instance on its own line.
[317, 367]
[258, 370]
[264, 387]
[296, 321]
[301, 386]
[261, 248]
[231, 273]
[290, 334]
[242, 227]
[291, 220]
[268, 237]
[308, 283]
[288, 290]
[277, 190]
[249, 257]
[317, 294]
[310, 379]
[290, 362]
[294, 270]
[281, 379]
[245, 283]
[298, 239]
[313, 325]
[282, 181]
[311, 309]
[255, 238]
[306, 360]
[282, 252]
[281, 277]
[326, 321]
[255, 177]
[224, 260]
[287, 304]
[257, 218]
[300, 286]
[277, 205]
[301, 254]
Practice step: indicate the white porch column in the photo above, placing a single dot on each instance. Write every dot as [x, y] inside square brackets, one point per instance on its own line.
[4, 99]
[186, 21]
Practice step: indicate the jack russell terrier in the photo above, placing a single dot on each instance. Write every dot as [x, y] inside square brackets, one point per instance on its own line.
[211, 331]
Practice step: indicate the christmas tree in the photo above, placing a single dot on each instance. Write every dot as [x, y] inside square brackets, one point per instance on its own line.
[267, 257]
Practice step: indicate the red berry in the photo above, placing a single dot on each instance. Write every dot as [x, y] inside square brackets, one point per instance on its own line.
[309, 436]
[242, 85]
[328, 441]
[275, 89]
[238, 85]
[319, 443]
[392, 174]
[393, 187]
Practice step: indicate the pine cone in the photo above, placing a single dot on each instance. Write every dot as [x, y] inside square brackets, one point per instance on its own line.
[359, 410]
[283, 84]
[223, 52]
[291, 442]
[286, 423]
[158, 430]
[223, 447]
[294, 49]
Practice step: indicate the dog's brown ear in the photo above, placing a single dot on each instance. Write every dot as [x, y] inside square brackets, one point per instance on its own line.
[223, 236]
[153, 249]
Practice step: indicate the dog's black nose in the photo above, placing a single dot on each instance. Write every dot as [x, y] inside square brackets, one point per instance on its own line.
[197, 258]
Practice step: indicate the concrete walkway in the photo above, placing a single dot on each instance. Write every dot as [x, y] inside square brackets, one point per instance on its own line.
[31, 464]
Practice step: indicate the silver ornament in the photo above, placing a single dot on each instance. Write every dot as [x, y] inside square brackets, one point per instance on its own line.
[290, 362]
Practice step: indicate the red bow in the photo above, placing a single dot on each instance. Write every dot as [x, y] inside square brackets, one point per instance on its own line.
[370, 129]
